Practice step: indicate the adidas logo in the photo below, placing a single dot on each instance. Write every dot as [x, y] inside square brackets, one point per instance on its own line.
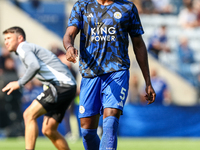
[90, 15]
[121, 104]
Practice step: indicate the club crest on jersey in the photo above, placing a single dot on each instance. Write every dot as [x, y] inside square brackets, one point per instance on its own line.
[117, 15]
[81, 109]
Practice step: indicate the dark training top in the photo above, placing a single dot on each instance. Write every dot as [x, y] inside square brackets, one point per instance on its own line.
[104, 35]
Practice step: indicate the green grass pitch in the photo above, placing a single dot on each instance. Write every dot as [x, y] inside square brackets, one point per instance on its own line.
[123, 144]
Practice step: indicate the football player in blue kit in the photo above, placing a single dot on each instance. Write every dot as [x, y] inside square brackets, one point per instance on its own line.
[105, 27]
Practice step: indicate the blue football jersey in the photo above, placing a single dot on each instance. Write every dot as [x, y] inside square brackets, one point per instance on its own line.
[104, 35]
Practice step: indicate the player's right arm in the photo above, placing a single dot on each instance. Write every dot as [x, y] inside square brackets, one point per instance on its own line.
[68, 42]
[75, 23]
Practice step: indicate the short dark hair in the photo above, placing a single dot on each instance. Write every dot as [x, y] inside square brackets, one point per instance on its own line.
[15, 29]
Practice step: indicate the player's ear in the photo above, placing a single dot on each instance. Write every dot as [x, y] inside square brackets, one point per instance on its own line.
[20, 38]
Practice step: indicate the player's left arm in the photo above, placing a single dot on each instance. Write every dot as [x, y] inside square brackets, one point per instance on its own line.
[10, 87]
[32, 69]
[142, 59]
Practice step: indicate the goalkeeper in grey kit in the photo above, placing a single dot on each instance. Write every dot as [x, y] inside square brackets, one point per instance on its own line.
[59, 88]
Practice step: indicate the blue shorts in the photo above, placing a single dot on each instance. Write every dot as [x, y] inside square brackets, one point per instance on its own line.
[105, 91]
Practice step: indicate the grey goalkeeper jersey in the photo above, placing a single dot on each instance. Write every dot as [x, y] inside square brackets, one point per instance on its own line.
[44, 65]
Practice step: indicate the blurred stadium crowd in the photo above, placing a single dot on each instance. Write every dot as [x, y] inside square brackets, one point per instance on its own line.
[172, 35]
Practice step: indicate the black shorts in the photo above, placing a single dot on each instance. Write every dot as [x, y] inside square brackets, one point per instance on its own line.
[56, 100]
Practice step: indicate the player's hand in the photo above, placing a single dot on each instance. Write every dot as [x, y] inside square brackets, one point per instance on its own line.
[151, 95]
[72, 54]
[10, 87]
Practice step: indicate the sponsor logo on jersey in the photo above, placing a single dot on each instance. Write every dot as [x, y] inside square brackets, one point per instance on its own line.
[117, 15]
[81, 109]
[103, 34]
[90, 15]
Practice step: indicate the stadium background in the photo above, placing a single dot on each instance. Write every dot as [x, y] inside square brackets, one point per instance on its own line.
[45, 23]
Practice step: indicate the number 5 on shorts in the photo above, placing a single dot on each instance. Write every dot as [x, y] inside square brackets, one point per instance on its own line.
[122, 96]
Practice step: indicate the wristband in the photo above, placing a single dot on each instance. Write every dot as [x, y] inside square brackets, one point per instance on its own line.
[68, 47]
